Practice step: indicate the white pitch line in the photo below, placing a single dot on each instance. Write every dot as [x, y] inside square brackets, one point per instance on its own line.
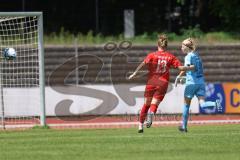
[136, 123]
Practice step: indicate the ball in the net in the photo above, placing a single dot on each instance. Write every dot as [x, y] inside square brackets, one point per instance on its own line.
[9, 53]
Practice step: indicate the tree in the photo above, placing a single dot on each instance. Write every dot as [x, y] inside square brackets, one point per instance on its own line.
[228, 11]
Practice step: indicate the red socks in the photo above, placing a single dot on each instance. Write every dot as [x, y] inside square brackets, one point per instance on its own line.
[143, 113]
[153, 108]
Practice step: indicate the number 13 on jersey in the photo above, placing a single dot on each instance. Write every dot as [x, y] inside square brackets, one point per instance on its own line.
[161, 66]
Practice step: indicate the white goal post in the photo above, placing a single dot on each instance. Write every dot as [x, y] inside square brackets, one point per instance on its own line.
[22, 81]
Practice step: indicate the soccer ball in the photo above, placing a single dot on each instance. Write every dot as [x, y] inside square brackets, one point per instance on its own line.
[9, 53]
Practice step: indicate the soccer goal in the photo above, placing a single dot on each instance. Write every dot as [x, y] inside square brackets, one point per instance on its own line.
[22, 81]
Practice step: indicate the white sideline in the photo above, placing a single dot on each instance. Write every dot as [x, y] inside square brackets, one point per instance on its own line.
[136, 123]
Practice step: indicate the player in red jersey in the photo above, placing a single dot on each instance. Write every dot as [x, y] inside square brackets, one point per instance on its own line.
[158, 64]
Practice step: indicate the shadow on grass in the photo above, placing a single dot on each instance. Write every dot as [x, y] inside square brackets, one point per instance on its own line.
[37, 127]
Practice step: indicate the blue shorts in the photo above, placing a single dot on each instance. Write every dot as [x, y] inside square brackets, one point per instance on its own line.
[194, 89]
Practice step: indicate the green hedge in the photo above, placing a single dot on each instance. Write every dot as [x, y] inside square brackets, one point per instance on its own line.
[67, 38]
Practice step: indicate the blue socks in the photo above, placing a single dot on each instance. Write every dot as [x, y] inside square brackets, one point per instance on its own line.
[185, 115]
[208, 104]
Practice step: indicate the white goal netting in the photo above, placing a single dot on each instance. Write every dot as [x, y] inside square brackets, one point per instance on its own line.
[20, 78]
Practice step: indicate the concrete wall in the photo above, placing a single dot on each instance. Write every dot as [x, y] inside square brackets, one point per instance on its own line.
[96, 65]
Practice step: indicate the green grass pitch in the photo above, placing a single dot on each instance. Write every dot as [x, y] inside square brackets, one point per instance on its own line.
[219, 142]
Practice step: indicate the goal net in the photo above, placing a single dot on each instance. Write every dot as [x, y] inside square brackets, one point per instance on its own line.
[22, 80]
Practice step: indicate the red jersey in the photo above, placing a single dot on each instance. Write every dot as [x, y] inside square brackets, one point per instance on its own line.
[159, 64]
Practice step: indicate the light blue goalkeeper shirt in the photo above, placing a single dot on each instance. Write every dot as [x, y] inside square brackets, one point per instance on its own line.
[195, 76]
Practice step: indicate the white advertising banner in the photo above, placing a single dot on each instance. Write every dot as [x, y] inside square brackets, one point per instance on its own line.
[109, 99]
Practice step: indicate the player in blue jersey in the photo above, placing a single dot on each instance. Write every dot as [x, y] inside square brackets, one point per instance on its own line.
[195, 83]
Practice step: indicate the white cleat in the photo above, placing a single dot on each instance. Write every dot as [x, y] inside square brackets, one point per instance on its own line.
[149, 120]
[140, 128]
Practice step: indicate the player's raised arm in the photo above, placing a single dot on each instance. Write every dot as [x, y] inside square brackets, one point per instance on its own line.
[136, 71]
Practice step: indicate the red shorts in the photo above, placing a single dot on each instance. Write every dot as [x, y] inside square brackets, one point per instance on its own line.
[157, 92]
